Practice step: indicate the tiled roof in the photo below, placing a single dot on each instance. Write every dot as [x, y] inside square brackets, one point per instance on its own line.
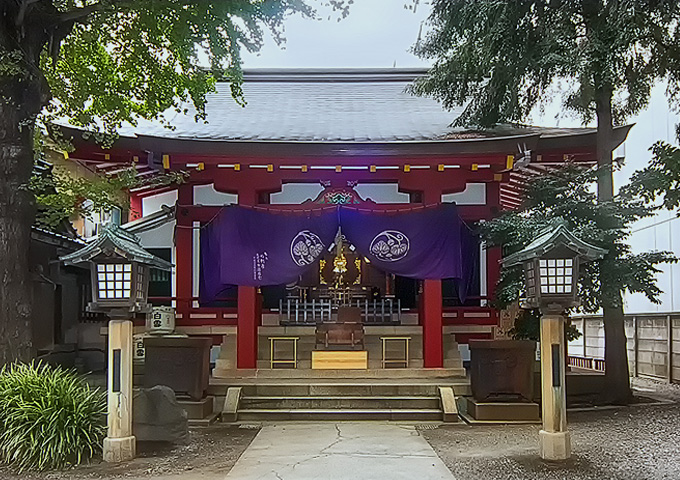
[48, 236]
[548, 240]
[355, 105]
[114, 239]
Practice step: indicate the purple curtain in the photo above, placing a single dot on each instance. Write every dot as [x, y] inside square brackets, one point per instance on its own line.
[210, 286]
[423, 243]
[469, 247]
[255, 247]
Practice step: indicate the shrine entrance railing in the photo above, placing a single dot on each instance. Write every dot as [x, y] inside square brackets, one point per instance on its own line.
[374, 311]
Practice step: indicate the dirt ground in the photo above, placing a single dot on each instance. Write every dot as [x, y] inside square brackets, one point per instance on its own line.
[209, 455]
[640, 442]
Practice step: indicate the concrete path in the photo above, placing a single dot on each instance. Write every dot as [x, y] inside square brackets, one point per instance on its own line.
[353, 451]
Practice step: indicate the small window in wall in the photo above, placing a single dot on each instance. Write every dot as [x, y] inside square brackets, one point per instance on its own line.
[295, 193]
[474, 194]
[382, 193]
[160, 281]
[207, 195]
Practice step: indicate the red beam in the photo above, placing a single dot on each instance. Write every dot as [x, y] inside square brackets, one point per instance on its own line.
[433, 349]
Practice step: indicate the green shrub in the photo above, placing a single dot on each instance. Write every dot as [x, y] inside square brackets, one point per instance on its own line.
[49, 417]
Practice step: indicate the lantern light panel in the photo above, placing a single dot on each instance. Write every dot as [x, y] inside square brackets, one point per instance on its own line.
[556, 275]
[114, 280]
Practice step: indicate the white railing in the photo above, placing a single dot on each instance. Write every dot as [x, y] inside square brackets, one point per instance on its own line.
[375, 311]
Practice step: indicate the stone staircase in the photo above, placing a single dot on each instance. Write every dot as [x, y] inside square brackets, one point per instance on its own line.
[405, 395]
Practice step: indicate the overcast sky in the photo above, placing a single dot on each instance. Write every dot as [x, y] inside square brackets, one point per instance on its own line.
[377, 33]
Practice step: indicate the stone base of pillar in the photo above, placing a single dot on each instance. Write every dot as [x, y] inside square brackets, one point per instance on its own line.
[554, 445]
[118, 450]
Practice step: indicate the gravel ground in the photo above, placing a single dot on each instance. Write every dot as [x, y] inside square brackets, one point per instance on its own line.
[630, 443]
[209, 455]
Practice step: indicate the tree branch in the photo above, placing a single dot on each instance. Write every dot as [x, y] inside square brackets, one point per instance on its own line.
[22, 11]
[79, 14]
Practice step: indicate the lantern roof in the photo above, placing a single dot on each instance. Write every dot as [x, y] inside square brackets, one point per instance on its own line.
[552, 239]
[114, 240]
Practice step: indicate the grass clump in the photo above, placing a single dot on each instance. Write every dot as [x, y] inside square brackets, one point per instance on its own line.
[49, 417]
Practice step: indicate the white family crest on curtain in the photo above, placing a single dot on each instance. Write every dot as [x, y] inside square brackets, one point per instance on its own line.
[390, 245]
[305, 248]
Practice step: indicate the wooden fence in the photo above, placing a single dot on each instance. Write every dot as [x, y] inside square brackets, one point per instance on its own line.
[587, 363]
[653, 345]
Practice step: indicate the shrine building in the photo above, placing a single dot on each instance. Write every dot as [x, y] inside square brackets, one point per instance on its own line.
[333, 212]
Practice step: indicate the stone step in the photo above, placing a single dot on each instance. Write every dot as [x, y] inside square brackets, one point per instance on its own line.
[258, 389]
[455, 372]
[341, 402]
[348, 414]
[505, 411]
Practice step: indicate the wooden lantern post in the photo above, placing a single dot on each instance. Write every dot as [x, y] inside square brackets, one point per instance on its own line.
[551, 270]
[120, 280]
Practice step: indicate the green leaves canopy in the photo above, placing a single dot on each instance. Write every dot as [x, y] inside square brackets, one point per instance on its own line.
[661, 178]
[567, 195]
[103, 63]
[500, 58]
[125, 60]
[61, 196]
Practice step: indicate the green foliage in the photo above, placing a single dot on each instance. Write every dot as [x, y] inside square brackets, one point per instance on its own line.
[528, 327]
[116, 61]
[500, 58]
[49, 417]
[61, 196]
[10, 64]
[660, 179]
[138, 59]
[567, 196]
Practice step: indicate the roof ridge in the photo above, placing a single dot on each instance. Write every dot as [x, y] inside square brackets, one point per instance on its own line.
[332, 75]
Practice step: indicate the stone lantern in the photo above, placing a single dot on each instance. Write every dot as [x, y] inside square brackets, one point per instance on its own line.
[551, 270]
[120, 280]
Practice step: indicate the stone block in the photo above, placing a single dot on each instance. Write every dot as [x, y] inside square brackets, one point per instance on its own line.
[503, 411]
[554, 445]
[448, 404]
[117, 450]
[158, 416]
[198, 409]
[231, 402]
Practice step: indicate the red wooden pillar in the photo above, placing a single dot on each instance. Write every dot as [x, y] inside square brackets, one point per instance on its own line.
[431, 310]
[184, 252]
[246, 334]
[433, 349]
[135, 211]
[249, 313]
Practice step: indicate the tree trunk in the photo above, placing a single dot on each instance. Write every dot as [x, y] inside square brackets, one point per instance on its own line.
[16, 218]
[617, 376]
[23, 92]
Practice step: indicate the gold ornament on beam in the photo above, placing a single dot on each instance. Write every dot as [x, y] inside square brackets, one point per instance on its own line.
[340, 264]
[322, 265]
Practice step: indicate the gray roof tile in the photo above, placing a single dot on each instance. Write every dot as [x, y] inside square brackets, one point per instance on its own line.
[322, 106]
